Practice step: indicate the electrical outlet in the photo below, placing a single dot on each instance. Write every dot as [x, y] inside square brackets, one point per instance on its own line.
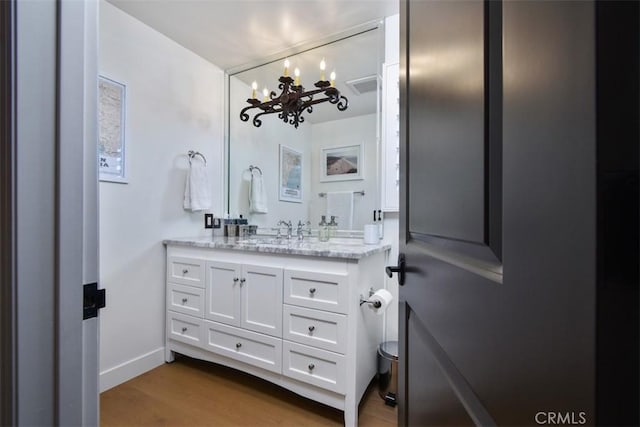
[216, 223]
[208, 220]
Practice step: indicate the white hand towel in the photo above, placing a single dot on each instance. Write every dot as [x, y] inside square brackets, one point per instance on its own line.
[340, 204]
[197, 192]
[257, 195]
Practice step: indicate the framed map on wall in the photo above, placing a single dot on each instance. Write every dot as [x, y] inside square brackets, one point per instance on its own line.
[111, 135]
[290, 175]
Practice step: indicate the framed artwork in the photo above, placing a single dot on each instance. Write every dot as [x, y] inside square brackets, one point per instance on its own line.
[290, 175]
[341, 163]
[111, 126]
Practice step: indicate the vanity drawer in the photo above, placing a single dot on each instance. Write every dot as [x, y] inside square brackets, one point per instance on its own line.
[316, 328]
[185, 299]
[184, 328]
[322, 291]
[249, 347]
[311, 365]
[187, 271]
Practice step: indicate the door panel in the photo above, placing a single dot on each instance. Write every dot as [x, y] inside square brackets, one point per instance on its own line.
[450, 96]
[223, 292]
[459, 97]
[262, 299]
[499, 294]
[444, 408]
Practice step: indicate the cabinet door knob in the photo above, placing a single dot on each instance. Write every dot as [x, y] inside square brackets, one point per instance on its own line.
[312, 291]
[235, 279]
[238, 345]
[184, 329]
[312, 328]
[311, 366]
[184, 300]
[185, 271]
[243, 280]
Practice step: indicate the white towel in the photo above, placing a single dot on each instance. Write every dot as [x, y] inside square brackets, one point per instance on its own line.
[257, 195]
[340, 204]
[197, 192]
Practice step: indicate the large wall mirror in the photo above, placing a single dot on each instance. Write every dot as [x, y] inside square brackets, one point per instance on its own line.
[329, 164]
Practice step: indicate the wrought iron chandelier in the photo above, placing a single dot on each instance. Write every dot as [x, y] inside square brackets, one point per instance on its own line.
[293, 101]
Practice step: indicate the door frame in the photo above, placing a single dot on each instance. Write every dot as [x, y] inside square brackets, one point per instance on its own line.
[47, 248]
[7, 214]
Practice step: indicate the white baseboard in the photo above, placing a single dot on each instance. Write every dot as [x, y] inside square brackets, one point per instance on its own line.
[131, 369]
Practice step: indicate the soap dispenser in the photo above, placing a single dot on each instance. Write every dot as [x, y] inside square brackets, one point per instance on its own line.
[333, 227]
[323, 229]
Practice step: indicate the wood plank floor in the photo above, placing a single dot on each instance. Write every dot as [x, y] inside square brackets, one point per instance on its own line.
[191, 392]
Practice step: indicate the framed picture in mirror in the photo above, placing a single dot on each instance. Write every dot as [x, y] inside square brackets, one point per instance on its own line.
[290, 175]
[343, 163]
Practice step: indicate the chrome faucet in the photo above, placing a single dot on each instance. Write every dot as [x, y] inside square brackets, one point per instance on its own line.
[300, 230]
[289, 227]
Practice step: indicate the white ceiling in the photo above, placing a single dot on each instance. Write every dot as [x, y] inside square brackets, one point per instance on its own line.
[231, 33]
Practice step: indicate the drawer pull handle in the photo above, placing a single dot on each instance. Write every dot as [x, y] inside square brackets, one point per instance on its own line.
[312, 291]
[235, 279]
[311, 366]
[184, 300]
[184, 329]
[238, 345]
[312, 328]
[185, 271]
[243, 280]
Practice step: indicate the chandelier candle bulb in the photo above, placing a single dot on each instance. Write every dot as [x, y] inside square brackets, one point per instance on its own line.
[254, 88]
[323, 65]
[333, 78]
[297, 74]
[265, 92]
[286, 67]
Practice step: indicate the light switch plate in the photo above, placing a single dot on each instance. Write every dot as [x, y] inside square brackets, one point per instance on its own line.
[208, 220]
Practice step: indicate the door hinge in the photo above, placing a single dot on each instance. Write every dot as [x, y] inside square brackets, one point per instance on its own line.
[94, 300]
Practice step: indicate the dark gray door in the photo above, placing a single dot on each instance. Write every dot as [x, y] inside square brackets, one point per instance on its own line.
[498, 224]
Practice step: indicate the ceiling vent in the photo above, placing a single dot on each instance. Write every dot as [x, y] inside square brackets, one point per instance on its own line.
[363, 84]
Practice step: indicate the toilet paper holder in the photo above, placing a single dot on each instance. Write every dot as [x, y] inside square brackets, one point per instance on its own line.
[374, 304]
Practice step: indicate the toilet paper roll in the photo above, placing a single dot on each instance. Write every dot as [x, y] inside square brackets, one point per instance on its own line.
[380, 300]
[371, 234]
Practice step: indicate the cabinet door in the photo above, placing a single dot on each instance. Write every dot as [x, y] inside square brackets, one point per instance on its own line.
[223, 292]
[262, 299]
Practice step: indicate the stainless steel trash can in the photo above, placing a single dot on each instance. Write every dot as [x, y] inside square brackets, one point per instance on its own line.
[388, 371]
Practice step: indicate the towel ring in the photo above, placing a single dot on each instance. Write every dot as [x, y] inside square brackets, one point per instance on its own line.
[192, 154]
[251, 168]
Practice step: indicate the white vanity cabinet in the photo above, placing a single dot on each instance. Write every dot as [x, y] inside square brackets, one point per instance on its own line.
[291, 317]
[247, 296]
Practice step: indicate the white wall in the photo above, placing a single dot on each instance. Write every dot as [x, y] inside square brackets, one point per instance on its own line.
[174, 103]
[260, 147]
[391, 219]
[350, 131]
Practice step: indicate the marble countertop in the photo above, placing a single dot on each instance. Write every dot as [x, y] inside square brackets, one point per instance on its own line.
[349, 248]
